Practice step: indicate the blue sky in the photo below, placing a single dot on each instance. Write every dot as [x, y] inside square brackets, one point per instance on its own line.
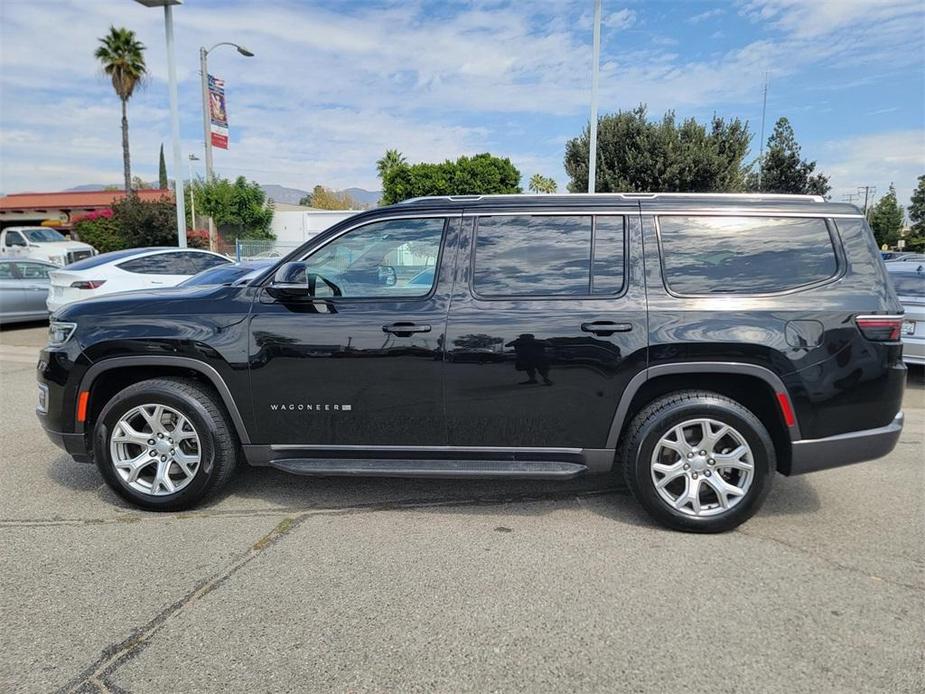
[334, 84]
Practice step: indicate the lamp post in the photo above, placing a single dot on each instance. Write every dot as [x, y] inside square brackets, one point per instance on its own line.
[595, 69]
[192, 194]
[206, 134]
[174, 114]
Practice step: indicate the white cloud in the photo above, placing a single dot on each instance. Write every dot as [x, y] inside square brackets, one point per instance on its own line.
[621, 19]
[707, 14]
[816, 17]
[874, 160]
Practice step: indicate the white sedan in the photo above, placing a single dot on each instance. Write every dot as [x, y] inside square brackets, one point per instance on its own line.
[120, 271]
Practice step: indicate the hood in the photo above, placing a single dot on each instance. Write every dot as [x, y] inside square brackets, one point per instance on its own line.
[140, 303]
[60, 246]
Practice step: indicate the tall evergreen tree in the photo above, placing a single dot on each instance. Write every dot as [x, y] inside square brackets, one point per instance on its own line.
[123, 59]
[782, 169]
[638, 155]
[886, 219]
[917, 208]
[162, 171]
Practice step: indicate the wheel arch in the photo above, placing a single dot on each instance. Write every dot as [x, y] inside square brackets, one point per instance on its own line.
[120, 371]
[756, 387]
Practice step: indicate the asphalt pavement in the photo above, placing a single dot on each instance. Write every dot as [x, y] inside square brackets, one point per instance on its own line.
[289, 584]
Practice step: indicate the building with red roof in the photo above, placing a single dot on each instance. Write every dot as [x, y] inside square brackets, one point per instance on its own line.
[59, 210]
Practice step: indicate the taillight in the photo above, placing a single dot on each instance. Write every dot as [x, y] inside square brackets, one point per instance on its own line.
[880, 328]
[88, 284]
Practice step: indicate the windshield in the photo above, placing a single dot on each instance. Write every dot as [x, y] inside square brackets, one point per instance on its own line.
[911, 284]
[225, 274]
[43, 235]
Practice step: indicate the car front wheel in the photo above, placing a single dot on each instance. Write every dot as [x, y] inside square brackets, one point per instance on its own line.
[164, 444]
[698, 461]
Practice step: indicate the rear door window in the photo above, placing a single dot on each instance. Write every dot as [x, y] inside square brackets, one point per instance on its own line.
[548, 255]
[158, 264]
[744, 255]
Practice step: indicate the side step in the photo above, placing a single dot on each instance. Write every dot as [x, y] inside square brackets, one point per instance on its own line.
[450, 469]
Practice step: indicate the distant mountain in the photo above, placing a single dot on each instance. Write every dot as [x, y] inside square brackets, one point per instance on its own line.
[291, 196]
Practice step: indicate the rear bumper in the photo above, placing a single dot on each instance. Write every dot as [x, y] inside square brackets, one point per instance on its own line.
[812, 455]
[74, 444]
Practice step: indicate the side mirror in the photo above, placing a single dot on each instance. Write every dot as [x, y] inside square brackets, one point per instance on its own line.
[293, 281]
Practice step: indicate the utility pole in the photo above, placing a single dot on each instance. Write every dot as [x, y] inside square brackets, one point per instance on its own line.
[595, 68]
[868, 192]
[851, 197]
[192, 194]
[764, 109]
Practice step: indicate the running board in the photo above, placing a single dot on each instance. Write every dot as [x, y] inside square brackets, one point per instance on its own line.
[451, 469]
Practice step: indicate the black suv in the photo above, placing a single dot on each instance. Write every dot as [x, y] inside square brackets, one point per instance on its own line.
[693, 344]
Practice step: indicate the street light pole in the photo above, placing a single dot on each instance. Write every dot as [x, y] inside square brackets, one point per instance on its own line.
[206, 115]
[174, 114]
[192, 194]
[595, 65]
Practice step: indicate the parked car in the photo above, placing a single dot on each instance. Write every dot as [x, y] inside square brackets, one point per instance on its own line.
[42, 243]
[908, 258]
[120, 271]
[693, 345]
[23, 288]
[233, 273]
[908, 280]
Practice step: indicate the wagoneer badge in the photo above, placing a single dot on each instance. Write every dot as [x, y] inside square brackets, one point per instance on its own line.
[310, 407]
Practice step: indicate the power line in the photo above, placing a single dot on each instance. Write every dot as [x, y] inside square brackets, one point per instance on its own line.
[868, 193]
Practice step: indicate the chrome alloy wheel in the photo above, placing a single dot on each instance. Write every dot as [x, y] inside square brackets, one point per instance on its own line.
[702, 467]
[155, 449]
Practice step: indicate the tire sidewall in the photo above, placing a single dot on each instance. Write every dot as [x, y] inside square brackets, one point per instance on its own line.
[190, 408]
[736, 416]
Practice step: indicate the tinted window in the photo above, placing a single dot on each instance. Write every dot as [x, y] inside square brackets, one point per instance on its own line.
[379, 259]
[548, 255]
[202, 261]
[532, 256]
[104, 258]
[744, 255]
[608, 261]
[159, 264]
[14, 238]
[218, 275]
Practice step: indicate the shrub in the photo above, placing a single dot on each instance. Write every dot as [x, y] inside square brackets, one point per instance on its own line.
[146, 223]
[100, 230]
[197, 238]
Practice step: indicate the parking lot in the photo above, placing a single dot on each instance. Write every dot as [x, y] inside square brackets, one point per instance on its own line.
[298, 584]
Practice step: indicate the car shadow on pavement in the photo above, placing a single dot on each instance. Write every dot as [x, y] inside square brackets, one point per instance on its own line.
[267, 490]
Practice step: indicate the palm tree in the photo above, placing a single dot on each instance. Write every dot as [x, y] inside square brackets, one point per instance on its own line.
[542, 184]
[122, 56]
[392, 159]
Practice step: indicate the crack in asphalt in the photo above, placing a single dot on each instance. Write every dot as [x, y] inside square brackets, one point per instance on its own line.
[97, 677]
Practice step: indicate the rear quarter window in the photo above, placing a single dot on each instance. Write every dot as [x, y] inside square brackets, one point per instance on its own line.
[744, 255]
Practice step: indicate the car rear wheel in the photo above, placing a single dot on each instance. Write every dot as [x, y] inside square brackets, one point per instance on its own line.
[165, 444]
[698, 461]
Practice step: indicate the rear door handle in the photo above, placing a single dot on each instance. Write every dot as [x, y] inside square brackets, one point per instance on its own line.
[405, 328]
[605, 328]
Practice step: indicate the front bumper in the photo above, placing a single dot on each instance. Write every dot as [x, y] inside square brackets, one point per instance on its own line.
[73, 444]
[811, 455]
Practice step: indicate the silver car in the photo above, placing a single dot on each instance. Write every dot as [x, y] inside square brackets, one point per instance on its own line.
[909, 282]
[23, 290]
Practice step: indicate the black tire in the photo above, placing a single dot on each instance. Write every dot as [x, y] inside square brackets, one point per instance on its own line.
[657, 419]
[201, 406]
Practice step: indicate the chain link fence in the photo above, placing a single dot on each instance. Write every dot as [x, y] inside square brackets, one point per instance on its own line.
[259, 249]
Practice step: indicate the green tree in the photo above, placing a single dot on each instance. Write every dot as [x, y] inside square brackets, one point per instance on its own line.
[327, 199]
[163, 183]
[917, 208]
[638, 155]
[886, 219]
[122, 57]
[782, 169]
[389, 161]
[239, 209]
[139, 184]
[542, 184]
[482, 174]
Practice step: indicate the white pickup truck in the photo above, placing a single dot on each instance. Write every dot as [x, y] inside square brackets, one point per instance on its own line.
[42, 243]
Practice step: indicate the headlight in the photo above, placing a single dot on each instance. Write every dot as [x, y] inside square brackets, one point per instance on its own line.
[57, 259]
[60, 332]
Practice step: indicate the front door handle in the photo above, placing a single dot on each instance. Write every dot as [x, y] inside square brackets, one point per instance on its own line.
[405, 328]
[605, 328]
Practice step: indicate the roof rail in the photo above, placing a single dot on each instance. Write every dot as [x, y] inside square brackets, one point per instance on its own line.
[622, 196]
